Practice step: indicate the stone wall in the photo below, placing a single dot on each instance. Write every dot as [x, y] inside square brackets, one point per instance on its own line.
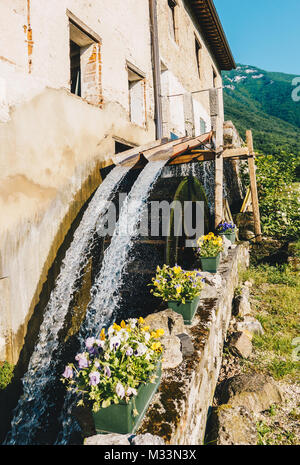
[178, 412]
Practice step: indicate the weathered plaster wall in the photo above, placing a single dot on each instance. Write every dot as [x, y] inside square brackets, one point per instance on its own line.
[53, 143]
[50, 162]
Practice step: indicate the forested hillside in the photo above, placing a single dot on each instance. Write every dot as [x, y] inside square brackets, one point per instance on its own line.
[262, 101]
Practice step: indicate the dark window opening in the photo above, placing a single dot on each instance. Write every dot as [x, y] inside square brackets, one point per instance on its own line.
[198, 55]
[75, 68]
[121, 147]
[172, 18]
[215, 83]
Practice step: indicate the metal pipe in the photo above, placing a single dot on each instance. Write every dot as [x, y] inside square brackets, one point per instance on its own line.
[156, 68]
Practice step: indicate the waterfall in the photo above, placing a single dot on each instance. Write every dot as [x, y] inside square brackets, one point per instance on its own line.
[105, 297]
[204, 171]
[36, 398]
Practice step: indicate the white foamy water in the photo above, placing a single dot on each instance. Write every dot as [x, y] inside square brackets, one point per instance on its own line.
[42, 365]
[105, 295]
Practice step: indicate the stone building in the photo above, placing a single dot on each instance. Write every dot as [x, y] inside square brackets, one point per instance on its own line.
[81, 80]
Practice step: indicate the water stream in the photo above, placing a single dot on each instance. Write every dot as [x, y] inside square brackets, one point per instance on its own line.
[105, 296]
[36, 399]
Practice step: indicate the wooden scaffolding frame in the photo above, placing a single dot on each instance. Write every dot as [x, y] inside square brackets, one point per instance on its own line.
[198, 149]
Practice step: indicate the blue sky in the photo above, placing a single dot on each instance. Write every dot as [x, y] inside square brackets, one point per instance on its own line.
[263, 33]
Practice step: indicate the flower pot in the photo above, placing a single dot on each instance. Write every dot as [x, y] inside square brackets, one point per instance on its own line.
[210, 264]
[119, 418]
[229, 235]
[187, 310]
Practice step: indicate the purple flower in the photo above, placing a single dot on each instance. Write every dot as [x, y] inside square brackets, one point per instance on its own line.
[129, 351]
[94, 378]
[82, 361]
[107, 371]
[68, 373]
[115, 342]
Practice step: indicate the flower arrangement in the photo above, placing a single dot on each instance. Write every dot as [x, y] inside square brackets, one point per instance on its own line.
[115, 364]
[209, 245]
[226, 227]
[175, 284]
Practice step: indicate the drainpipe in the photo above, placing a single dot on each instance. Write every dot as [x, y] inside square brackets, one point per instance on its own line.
[156, 68]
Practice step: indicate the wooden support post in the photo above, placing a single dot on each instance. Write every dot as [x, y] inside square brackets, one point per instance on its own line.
[253, 187]
[218, 188]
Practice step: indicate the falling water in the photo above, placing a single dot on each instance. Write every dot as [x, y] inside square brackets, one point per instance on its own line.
[41, 372]
[105, 297]
[203, 171]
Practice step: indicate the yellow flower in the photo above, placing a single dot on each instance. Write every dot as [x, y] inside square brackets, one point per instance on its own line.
[156, 346]
[123, 324]
[177, 269]
[141, 320]
[102, 334]
[145, 328]
[160, 332]
[153, 334]
[117, 327]
[156, 283]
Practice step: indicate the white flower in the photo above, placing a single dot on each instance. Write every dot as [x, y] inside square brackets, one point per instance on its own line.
[124, 334]
[131, 392]
[120, 391]
[132, 322]
[147, 336]
[110, 331]
[141, 350]
[114, 342]
[100, 343]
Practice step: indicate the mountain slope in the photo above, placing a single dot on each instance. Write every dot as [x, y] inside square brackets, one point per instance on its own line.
[260, 100]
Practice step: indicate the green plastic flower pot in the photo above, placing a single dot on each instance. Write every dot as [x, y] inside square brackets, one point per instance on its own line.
[119, 418]
[187, 310]
[229, 235]
[210, 264]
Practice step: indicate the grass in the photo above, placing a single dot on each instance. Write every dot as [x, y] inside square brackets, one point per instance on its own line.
[275, 301]
[268, 435]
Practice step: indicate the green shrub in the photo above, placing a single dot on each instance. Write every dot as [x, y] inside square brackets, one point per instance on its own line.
[6, 374]
[278, 196]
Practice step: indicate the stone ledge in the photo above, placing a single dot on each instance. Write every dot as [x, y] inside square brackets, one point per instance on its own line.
[178, 412]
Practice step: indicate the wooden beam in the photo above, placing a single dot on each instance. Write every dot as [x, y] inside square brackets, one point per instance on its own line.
[253, 187]
[242, 151]
[201, 155]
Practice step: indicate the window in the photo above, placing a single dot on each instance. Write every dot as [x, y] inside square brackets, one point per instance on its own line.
[172, 7]
[75, 68]
[85, 61]
[202, 126]
[136, 86]
[198, 48]
[215, 79]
